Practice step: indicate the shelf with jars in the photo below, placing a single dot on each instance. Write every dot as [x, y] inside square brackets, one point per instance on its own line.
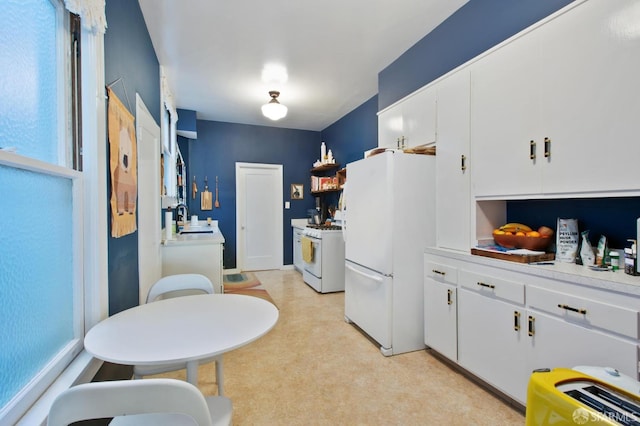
[322, 183]
[181, 179]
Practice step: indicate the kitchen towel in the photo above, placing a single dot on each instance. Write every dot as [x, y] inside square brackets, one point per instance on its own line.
[307, 249]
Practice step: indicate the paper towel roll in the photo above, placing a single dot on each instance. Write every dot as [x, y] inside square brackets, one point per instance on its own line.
[194, 220]
[168, 225]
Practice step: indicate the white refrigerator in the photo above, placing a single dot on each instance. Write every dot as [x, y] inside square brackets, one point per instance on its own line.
[390, 209]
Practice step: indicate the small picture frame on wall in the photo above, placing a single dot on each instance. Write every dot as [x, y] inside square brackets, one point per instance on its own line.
[297, 191]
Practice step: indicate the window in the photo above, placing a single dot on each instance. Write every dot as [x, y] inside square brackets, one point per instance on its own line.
[42, 293]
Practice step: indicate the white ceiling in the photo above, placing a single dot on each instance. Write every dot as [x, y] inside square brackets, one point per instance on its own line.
[214, 52]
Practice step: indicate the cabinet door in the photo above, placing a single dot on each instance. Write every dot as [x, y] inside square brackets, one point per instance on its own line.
[205, 259]
[590, 109]
[453, 198]
[491, 343]
[505, 117]
[419, 118]
[559, 343]
[390, 127]
[298, 263]
[440, 318]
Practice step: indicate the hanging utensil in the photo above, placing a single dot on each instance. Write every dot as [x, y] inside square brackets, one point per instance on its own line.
[205, 200]
[217, 203]
[194, 188]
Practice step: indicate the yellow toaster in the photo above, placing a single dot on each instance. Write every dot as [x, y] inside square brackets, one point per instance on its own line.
[593, 396]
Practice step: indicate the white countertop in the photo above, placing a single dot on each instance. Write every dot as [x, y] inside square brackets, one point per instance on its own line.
[204, 238]
[617, 281]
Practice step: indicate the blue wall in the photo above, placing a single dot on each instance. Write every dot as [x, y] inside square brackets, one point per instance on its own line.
[220, 145]
[354, 133]
[129, 56]
[614, 218]
[471, 30]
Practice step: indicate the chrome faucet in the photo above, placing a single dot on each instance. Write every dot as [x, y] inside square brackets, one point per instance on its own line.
[184, 217]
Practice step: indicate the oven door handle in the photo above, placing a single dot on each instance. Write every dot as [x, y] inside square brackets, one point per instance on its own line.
[364, 274]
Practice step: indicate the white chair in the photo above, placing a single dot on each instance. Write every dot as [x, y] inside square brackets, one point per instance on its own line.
[140, 402]
[172, 286]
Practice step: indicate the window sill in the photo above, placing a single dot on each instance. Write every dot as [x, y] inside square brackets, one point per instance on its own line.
[81, 370]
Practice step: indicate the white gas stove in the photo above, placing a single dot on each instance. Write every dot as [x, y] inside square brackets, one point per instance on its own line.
[323, 258]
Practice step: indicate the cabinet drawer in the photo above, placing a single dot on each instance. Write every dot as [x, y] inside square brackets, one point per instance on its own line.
[491, 286]
[587, 312]
[440, 272]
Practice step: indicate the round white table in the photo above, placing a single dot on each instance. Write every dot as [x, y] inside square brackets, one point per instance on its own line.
[181, 330]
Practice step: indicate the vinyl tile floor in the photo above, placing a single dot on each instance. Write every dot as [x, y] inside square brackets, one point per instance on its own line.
[313, 368]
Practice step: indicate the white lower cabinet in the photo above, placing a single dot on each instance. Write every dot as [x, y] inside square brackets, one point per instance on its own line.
[566, 330]
[194, 258]
[491, 343]
[440, 309]
[298, 263]
[509, 323]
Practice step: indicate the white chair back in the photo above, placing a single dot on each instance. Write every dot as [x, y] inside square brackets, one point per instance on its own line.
[129, 397]
[180, 282]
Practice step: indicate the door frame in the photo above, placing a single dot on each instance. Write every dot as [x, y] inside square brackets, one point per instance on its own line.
[149, 219]
[278, 200]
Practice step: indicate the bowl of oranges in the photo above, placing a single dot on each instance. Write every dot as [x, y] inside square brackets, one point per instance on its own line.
[518, 235]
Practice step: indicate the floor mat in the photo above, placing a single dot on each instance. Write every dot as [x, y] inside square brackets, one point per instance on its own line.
[245, 283]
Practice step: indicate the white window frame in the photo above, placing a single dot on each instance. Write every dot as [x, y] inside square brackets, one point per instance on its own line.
[90, 188]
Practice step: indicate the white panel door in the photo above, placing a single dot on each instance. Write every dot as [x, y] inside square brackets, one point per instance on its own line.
[149, 209]
[368, 199]
[259, 216]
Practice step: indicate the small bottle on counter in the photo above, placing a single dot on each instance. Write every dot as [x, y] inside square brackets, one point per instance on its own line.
[630, 259]
[323, 153]
[614, 257]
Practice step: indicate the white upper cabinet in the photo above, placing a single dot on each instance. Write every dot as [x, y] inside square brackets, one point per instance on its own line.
[505, 114]
[410, 122]
[453, 196]
[554, 112]
[591, 105]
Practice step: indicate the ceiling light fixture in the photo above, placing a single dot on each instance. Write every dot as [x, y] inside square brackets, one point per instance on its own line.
[274, 110]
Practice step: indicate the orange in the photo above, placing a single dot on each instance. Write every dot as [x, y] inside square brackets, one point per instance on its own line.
[498, 232]
[520, 234]
[508, 233]
[533, 234]
[545, 231]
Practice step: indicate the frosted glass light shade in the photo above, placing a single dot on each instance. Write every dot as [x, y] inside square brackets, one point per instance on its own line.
[274, 110]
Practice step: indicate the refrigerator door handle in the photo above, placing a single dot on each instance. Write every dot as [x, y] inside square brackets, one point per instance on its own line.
[364, 274]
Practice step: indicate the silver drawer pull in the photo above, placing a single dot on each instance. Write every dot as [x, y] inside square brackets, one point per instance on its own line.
[449, 293]
[481, 284]
[572, 309]
[516, 320]
[435, 271]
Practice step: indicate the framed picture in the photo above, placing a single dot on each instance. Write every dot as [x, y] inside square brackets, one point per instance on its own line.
[297, 191]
